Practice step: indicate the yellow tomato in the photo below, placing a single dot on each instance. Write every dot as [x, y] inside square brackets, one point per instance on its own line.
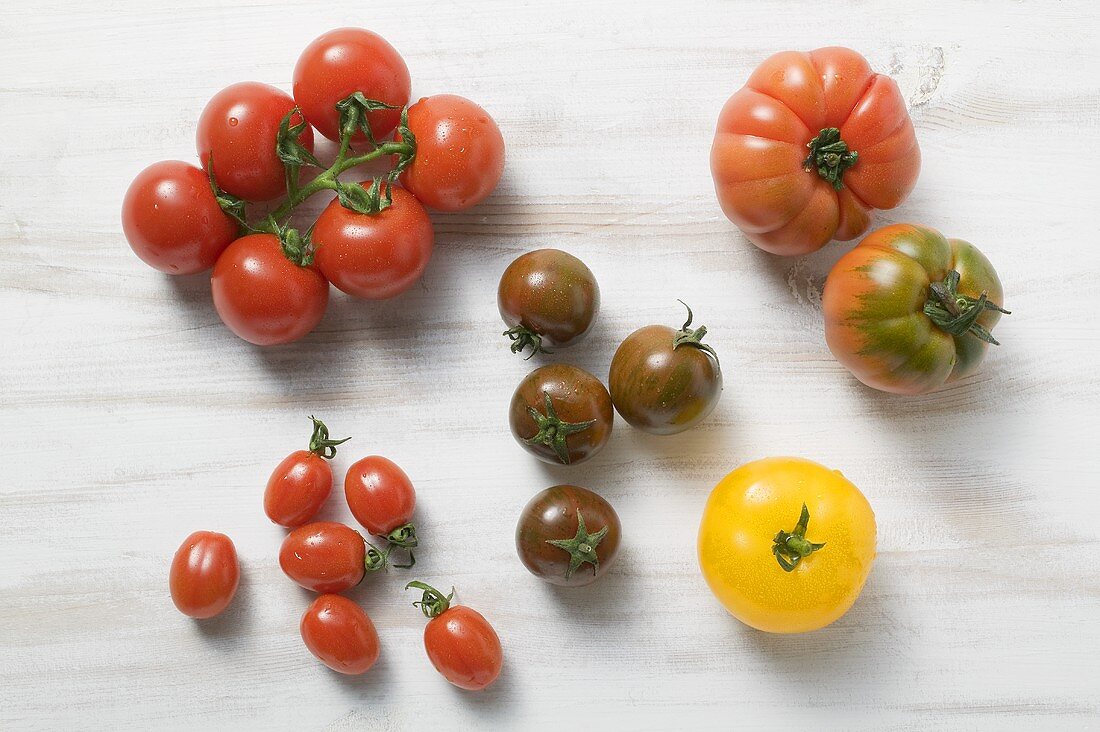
[786, 544]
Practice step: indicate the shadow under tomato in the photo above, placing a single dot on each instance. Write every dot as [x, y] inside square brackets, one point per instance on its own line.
[377, 675]
[601, 602]
[231, 626]
[821, 663]
[191, 294]
[494, 705]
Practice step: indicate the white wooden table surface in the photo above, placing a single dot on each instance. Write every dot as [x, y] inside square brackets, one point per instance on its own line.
[130, 417]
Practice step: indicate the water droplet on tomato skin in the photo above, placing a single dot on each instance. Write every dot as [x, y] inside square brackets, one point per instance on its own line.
[233, 121]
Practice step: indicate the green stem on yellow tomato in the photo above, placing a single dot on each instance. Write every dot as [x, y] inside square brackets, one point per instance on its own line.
[790, 548]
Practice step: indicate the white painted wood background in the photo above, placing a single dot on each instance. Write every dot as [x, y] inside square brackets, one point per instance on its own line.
[130, 417]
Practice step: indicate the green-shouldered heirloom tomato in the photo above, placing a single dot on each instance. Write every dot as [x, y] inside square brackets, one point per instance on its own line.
[665, 380]
[561, 414]
[459, 153]
[172, 219]
[460, 642]
[907, 310]
[300, 483]
[344, 61]
[204, 575]
[809, 147]
[548, 299]
[340, 634]
[263, 296]
[238, 135]
[568, 535]
[324, 556]
[374, 255]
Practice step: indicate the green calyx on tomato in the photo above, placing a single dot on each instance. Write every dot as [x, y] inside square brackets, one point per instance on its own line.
[377, 559]
[552, 430]
[434, 602]
[523, 338]
[320, 443]
[581, 548]
[958, 314]
[227, 202]
[294, 155]
[686, 336]
[830, 156]
[791, 548]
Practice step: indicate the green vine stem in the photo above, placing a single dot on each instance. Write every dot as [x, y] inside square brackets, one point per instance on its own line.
[320, 443]
[791, 548]
[522, 338]
[371, 200]
[830, 156]
[958, 314]
[377, 559]
[403, 536]
[581, 548]
[692, 338]
[434, 603]
[552, 431]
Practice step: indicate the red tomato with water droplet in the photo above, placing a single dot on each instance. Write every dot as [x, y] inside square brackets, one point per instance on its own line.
[459, 153]
[324, 556]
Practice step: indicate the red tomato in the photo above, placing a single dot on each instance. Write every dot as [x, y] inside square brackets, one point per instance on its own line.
[460, 643]
[240, 127]
[459, 153]
[344, 61]
[204, 574]
[264, 297]
[324, 556]
[374, 256]
[380, 495]
[340, 634]
[172, 221]
[302, 481]
[809, 147]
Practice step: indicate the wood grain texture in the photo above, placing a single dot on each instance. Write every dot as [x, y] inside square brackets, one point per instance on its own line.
[131, 417]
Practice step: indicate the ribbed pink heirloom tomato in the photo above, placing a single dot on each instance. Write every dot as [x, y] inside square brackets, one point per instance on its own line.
[811, 145]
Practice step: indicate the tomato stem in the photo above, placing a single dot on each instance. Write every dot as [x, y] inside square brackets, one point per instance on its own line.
[377, 559]
[403, 536]
[830, 156]
[522, 338]
[294, 155]
[552, 430]
[434, 602]
[692, 338]
[319, 441]
[581, 548]
[791, 548]
[958, 314]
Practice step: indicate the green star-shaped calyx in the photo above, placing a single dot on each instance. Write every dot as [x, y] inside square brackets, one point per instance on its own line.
[552, 430]
[581, 548]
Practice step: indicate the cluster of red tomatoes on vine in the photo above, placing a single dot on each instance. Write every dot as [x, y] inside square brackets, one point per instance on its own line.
[270, 279]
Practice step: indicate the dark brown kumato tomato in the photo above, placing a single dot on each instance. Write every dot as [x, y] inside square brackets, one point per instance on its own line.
[665, 380]
[561, 414]
[549, 299]
[568, 535]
